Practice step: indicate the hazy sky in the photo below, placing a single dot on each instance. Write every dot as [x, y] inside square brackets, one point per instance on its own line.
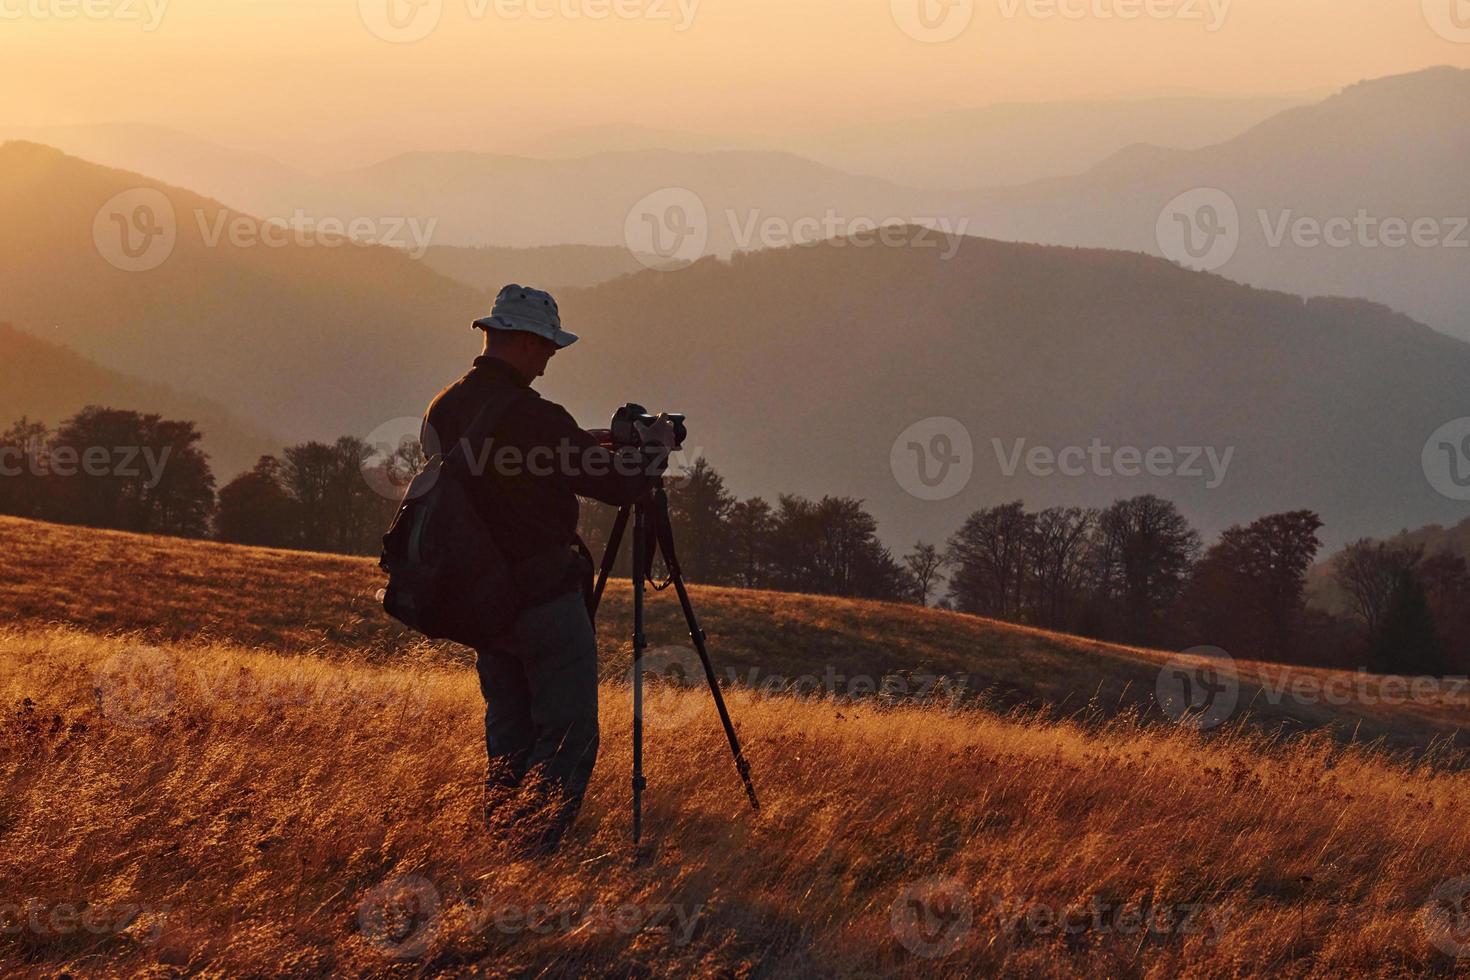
[253, 71]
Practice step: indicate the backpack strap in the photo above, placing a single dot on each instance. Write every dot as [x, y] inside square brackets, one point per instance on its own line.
[529, 573]
[483, 426]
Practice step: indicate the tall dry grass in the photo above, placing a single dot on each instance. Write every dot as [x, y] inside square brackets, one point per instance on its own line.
[207, 808]
[321, 605]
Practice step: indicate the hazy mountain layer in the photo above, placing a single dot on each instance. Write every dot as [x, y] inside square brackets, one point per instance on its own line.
[49, 383]
[1069, 370]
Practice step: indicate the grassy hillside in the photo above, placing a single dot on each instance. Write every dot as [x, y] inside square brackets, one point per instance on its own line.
[222, 760]
[204, 808]
[168, 590]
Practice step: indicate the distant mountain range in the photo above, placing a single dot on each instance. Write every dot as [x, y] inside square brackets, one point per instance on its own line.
[809, 370]
[819, 370]
[961, 147]
[479, 199]
[1362, 194]
[307, 336]
[244, 179]
[1366, 168]
[49, 383]
[553, 267]
[1018, 142]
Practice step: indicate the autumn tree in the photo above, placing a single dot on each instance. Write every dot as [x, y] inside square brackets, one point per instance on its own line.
[1446, 580]
[1246, 593]
[831, 547]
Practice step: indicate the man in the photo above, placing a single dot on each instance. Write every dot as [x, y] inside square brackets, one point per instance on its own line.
[539, 680]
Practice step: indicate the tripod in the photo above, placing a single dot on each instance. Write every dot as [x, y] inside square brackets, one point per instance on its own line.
[653, 534]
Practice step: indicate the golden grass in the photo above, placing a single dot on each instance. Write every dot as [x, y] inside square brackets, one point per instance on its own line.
[166, 589]
[234, 812]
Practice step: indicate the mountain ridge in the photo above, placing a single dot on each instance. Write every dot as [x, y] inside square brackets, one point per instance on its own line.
[1052, 345]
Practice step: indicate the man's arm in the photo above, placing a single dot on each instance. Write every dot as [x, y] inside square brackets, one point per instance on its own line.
[584, 466]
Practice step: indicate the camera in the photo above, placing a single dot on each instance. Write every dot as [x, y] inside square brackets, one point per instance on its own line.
[624, 432]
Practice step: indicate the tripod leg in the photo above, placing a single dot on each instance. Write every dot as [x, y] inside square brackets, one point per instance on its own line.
[742, 766]
[640, 642]
[671, 560]
[610, 556]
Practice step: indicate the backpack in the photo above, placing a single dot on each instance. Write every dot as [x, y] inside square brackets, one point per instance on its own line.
[447, 577]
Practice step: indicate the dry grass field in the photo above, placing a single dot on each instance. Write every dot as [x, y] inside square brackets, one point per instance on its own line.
[220, 761]
[165, 590]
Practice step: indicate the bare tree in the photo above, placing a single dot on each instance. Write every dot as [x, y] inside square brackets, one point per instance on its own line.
[1368, 572]
[1058, 552]
[989, 558]
[1146, 549]
[925, 564]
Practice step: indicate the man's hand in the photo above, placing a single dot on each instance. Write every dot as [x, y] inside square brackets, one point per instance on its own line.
[660, 433]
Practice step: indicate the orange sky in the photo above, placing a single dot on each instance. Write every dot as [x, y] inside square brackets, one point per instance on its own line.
[252, 71]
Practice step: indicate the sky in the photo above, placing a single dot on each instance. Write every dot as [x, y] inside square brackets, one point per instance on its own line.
[446, 74]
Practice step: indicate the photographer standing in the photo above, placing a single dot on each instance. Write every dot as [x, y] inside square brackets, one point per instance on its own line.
[539, 679]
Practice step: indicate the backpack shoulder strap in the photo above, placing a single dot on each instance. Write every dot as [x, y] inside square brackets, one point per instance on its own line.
[485, 423]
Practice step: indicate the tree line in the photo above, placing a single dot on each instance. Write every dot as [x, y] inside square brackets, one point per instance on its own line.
[130, 471]
[108, 468]
[827, 547]
[1134, 572]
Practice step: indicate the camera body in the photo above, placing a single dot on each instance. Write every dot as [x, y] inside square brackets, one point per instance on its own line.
[624, 431]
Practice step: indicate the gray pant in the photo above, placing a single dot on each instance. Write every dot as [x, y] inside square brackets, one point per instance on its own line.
[540, 688]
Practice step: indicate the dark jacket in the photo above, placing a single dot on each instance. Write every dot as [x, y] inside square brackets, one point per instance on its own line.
[536, 465]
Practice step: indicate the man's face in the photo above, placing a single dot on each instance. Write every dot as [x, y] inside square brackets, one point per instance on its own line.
[534, 353]
[542, 351]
